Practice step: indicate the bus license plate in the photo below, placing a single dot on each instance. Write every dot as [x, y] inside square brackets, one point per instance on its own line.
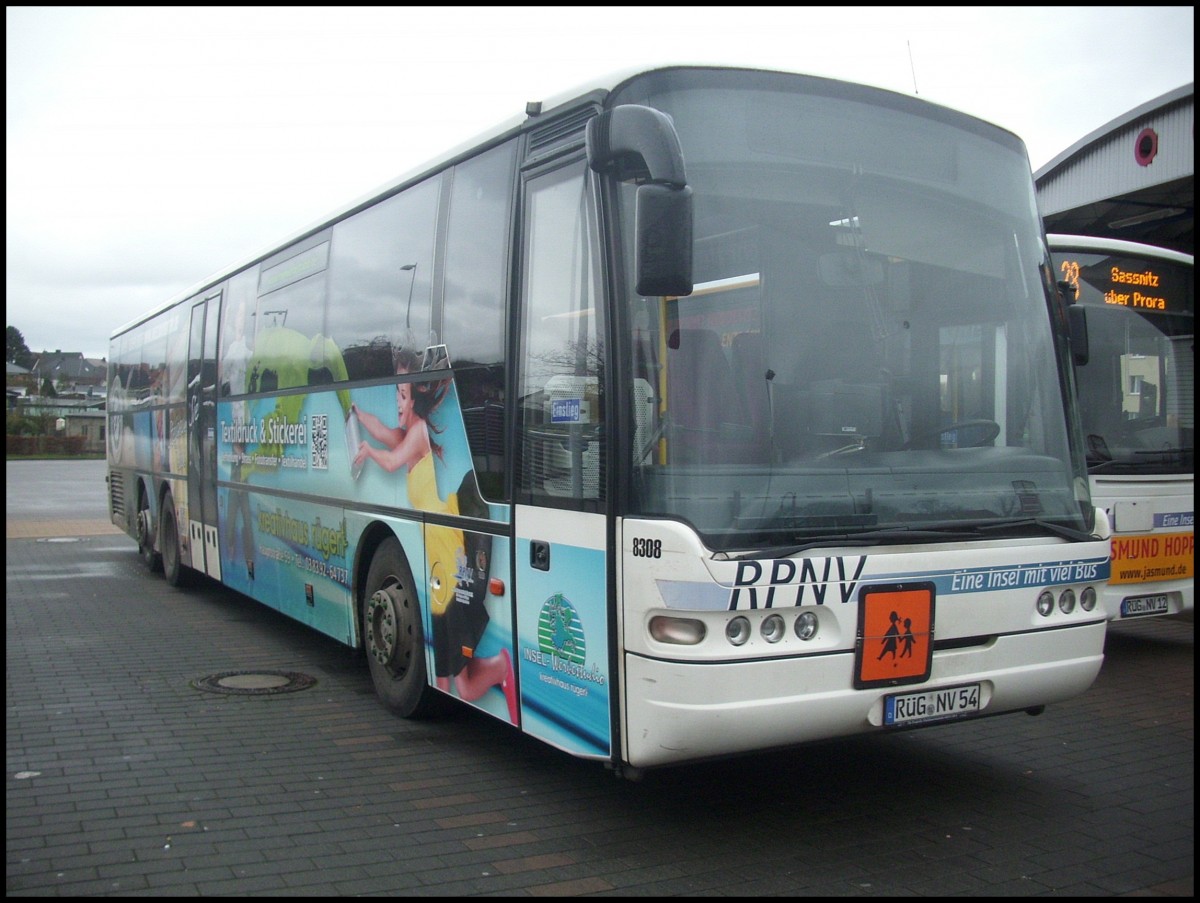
[931, 705]
[1136, 606]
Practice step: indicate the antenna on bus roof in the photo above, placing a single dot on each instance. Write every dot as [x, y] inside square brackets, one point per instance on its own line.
[912, 66]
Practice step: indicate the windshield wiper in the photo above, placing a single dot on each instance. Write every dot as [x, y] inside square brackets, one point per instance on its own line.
[1168, 451]
[868, 538]
[1048, 526]
[933, 533]
[1109, 464]
[1145, 457]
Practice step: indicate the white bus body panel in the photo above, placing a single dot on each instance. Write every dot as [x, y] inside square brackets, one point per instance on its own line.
[711, 698]
[681, 710]
[1153, 524]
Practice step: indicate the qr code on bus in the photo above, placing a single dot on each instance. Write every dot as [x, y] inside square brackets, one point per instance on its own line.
[320, 441]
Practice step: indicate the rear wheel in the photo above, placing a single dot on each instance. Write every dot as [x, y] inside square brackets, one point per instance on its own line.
[168, 543]
[393, 636]
[145, 536]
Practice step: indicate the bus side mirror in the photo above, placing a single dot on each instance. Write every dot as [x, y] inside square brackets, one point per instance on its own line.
[637, 143]
[1077, 323]
[663, 251]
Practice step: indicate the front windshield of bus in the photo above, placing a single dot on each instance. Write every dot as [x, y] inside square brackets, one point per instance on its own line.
[868, 347]
[1137, 389]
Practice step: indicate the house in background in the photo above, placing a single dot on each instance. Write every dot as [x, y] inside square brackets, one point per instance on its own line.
[77, 405]
[69, 371]
[18, 382]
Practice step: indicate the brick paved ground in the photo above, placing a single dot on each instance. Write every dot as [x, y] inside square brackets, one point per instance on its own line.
[124, 779]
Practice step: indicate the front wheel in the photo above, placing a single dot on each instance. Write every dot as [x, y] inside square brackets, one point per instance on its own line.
[393, 636]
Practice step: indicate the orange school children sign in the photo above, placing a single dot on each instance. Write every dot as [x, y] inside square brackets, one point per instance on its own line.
[895, 635]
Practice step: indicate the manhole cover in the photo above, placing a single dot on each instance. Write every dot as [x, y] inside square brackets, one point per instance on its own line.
[254, 683]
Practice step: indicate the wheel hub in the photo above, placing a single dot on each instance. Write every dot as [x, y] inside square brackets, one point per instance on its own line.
[382, 625]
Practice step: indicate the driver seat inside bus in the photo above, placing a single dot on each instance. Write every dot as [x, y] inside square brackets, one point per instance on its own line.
[835, 400]
[707, 419]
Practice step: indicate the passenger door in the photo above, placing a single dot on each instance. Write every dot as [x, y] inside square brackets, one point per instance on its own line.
[202, 419]
[560, 519]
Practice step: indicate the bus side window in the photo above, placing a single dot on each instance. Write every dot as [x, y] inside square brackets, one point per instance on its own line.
[562, 349]
[473, 307]
[381, 282]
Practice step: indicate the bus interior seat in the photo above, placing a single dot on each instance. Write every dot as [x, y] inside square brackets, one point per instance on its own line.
[753, 383]
[708, 426]
[835, 398]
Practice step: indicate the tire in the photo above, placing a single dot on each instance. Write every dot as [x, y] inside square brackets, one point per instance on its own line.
[393, 636]
[174, 570]
[145, 537]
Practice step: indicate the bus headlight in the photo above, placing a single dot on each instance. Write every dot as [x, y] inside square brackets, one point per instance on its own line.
[773, 628]
[680, 631]
[1066, 601]
[806, 625]
[1045, 603]
[1087, 598]
[737, 631]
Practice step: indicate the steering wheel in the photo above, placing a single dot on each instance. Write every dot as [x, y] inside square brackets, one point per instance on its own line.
[987, 429]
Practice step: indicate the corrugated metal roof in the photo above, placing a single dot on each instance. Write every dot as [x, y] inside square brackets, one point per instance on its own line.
[1133, 178]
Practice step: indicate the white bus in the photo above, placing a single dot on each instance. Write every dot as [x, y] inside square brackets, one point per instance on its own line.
[699, 412]
[1137, 392]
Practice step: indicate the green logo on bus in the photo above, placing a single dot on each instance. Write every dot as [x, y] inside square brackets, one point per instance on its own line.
[560, 632]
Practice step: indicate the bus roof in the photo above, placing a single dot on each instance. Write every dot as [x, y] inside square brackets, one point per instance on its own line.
[596, 89]
[1060, 241]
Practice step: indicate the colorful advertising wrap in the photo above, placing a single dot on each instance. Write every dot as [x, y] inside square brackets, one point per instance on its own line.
[399, 445]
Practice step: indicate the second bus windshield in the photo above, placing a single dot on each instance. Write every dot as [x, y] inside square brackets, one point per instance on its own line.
[1137, 390]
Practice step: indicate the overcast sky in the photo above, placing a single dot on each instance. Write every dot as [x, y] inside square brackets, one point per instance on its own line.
[150, 148]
